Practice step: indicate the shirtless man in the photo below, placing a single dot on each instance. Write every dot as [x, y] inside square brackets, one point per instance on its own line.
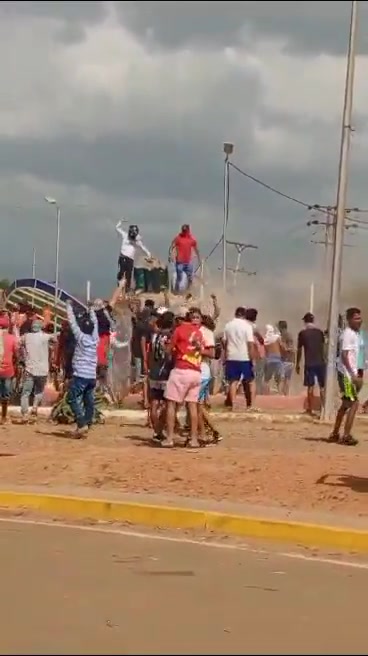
[273, 364]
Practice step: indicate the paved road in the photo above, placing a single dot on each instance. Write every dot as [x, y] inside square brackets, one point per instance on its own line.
[71, 591]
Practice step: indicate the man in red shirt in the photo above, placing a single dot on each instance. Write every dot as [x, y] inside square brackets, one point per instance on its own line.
[187, 348]
[8, 351]
[184, 244]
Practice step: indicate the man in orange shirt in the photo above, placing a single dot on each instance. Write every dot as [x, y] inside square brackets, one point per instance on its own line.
[183, 386]
[184, 244]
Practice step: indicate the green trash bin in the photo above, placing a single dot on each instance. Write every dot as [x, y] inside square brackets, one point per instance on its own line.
[157, 280]
[164, 277]
[140, 279]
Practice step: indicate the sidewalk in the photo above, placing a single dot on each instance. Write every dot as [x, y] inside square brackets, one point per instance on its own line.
[242, 520]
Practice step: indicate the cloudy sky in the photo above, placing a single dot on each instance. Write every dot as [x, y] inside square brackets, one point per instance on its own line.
[121, 108]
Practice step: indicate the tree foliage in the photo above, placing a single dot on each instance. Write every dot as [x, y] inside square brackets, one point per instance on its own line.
[4, 283]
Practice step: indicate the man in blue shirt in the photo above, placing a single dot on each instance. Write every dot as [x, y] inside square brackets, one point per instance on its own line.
[84, 364]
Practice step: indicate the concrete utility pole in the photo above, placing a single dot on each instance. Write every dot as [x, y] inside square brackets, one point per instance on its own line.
[338, 242]
[34, 264]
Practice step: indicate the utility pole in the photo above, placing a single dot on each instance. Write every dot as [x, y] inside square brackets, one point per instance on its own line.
[329, 213]
[236, 271]
[228, 150]
[34, 264]
[240, 248]
[323, 243]
[338, 242]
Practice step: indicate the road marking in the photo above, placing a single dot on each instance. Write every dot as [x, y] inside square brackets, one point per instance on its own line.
[204, 542]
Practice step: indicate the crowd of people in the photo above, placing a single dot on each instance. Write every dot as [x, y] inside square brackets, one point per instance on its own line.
[176, 356]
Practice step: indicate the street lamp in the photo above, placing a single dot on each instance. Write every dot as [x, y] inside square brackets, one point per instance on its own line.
[52, 201]
[228, 150]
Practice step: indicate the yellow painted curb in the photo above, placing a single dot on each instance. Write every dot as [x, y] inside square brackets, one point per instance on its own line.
[299, 533]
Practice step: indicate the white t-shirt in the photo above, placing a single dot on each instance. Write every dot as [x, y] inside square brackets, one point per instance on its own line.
[37, 353]
[209, 342]
[350, 340]
[238, 332]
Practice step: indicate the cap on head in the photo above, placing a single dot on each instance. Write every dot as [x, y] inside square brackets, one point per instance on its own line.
[85, 323]
[308, 317]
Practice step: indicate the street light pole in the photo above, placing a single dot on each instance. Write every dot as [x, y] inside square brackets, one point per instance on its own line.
[338, 237]
[228, 150]
[58, 216]
[52, 201]
[34, 264]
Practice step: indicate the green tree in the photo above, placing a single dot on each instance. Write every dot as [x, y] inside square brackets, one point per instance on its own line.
[4, 283]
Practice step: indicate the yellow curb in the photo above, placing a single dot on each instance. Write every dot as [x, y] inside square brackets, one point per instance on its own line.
[316, 535]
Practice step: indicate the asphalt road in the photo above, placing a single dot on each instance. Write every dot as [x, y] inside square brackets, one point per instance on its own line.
[71, 591]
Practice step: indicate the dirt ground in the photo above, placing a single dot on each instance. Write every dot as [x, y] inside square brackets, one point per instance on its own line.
[287, 465]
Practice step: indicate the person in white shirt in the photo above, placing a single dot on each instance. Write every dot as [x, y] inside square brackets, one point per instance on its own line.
[205, 424]
[239, 353]
[130, 241]
[36, 345]
[350, 377]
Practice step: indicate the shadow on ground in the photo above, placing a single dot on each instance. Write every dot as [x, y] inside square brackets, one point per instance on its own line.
[355, 483]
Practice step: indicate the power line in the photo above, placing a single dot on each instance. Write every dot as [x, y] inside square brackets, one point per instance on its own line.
[324, 209]
[265, 185]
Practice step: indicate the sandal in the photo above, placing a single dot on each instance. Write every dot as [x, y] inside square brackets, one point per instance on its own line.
[167, 444]
[193, 444]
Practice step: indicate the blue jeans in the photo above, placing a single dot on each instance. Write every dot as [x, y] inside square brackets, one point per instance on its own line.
[81, 397]
[186, 268]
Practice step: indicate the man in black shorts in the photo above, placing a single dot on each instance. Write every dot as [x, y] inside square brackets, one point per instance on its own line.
[311, 340]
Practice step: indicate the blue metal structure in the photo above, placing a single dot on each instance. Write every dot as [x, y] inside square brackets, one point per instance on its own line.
[40, 294]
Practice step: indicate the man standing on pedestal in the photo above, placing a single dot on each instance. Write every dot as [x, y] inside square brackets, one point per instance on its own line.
[184, 244]
[130, 241]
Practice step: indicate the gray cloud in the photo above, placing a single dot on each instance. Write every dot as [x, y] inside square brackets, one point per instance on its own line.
[306, 27]
[74, 12]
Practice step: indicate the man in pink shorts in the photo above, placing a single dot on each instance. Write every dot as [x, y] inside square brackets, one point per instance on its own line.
[183, 385]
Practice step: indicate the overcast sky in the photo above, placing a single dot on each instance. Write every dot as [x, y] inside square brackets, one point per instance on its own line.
[120, 109]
